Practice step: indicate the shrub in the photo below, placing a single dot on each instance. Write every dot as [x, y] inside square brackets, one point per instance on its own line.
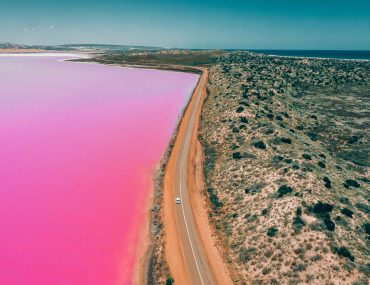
[260, 145]
[344, 200]
[299, 267]
[353, 139]
[298, 222]
[284, 189]
[351, 183]
[366, 227]
[322, 208]
[313, 136]
[271, 232]
[322, 155]
[321, 164]
[327, 182]
[347, 212]
[210, 157]
[276, 159]
[269, 131]
[244, 120]
[278, 117]
[286, 140]
[307, 156]
[264, 212]
[215, 201]
[363, 207]
[239, 109]
[255, 188]
[170, 281]
[237, 155]
[247, 254]
[329, 224]
[343, 251]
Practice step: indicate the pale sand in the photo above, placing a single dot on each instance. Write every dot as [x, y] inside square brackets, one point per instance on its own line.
[14, 50]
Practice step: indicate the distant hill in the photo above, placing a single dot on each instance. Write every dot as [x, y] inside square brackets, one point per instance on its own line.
[107, 47]
[87, 47]
[4, 45]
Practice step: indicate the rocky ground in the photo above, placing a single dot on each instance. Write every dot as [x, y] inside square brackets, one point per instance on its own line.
[286, 145]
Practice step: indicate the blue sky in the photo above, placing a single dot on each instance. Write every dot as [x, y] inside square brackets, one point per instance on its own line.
[279, 24]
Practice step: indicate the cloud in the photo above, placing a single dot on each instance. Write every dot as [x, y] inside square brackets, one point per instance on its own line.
[51, 27]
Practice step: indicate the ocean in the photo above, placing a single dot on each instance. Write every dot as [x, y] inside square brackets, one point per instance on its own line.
[338, 54]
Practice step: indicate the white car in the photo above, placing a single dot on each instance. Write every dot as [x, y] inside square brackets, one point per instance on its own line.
[178, 200]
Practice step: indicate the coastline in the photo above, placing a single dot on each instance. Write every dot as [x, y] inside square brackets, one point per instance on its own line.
[13, 50]
[152, 233]
[311, 57]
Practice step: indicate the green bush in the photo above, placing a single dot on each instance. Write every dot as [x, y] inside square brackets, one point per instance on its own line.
[313, 136]
[237, 155]
[366, 227]
[260, 145]
[284, 189]
[327, 182]
[329, 223]
[347, 212]
[351, 183]
[321, 164]
[343, 251]
[210, 157]
[170, 281]
[322, 208]
[363, 207]
[244, 120]
[271, 232]
[215, 201]
[255, 188]
[286, 140]
[307, 156]
[298, 222]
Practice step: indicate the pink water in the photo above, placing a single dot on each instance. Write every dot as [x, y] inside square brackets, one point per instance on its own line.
[78, 143]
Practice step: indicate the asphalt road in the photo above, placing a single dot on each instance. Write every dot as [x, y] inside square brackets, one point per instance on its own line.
[191, 246]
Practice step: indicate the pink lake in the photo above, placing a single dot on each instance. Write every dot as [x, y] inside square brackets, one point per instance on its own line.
[78, 144]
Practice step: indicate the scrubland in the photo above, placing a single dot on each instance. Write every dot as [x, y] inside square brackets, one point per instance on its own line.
[286, 147]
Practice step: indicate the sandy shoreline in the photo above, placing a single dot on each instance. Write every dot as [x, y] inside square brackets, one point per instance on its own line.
[172, 240]
[141, 270]
[13, 50]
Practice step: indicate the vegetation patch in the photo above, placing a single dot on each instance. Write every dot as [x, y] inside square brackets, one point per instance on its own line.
[283, 190]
